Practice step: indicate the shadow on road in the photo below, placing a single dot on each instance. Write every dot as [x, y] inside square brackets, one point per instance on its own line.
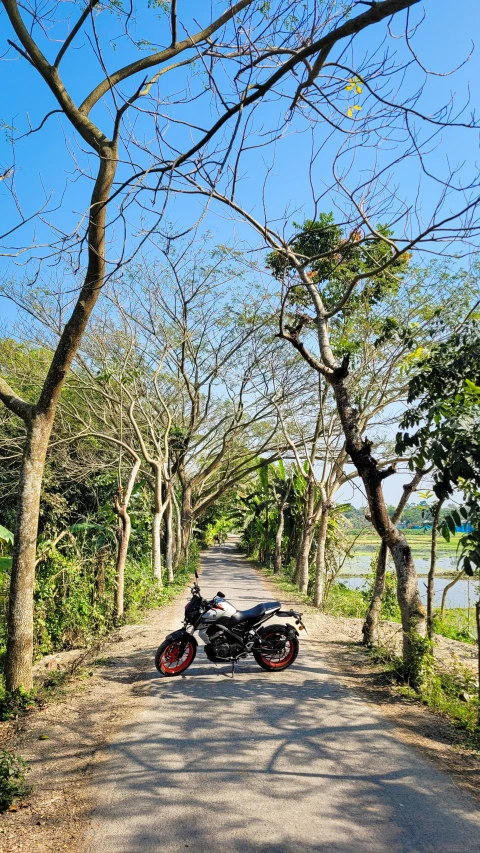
[288, 762]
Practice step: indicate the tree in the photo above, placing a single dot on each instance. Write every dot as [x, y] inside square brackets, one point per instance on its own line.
[370, 626]
[444, 397]
[121, 501]
[242, 43]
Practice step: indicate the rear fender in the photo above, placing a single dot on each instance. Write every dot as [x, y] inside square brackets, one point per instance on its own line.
[290, 630]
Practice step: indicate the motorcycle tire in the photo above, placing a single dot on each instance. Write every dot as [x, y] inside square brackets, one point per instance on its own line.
[275, 656]
[171, 660]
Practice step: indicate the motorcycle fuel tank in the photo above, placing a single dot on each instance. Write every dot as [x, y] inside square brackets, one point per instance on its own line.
[220, 608]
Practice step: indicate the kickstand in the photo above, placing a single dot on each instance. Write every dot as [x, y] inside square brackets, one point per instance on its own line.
[233, 670]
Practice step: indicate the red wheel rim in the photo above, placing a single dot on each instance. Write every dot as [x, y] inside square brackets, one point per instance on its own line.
[280, 658]
[174, 660]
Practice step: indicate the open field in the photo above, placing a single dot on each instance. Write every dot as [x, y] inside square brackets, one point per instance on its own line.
[366, 546]
[419, 541]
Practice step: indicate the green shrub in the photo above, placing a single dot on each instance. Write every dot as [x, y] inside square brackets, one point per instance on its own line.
[390, 609]
[13, 773]
[419, 663]
[343, 601]
[12, 704]
[456, 625]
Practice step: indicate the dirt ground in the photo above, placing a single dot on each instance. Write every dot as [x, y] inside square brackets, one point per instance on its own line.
[62, 740]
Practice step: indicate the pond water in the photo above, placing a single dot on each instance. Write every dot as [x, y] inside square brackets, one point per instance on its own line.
[457, 597]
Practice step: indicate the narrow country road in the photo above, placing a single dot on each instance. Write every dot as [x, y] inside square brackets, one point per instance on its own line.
[267, 763]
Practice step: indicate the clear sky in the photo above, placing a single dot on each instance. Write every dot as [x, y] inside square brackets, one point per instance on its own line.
[44, 163]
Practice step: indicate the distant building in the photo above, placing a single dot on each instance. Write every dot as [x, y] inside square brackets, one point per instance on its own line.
[466, 527]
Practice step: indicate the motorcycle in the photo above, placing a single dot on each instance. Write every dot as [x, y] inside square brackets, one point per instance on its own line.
[230, 634]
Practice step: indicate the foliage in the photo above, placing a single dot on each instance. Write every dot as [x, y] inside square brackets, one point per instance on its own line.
[444, 398]
[334, 258]
[456, 625]
[13, 704]
[418, 664]
[454, 694]
[343, 601]
[390, 609]
[449, 693]
[6, 535]
[220, 519]
[13, 778]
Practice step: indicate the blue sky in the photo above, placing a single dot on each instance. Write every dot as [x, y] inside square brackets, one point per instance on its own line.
[44, 167]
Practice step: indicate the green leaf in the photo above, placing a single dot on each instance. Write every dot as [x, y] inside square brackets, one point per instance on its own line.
[451, 523]
[6, 535]
[456, 518]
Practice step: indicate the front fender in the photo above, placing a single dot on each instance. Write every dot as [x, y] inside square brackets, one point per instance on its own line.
[177, 635]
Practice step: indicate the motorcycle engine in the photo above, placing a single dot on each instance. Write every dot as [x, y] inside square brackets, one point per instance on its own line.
[220, 647]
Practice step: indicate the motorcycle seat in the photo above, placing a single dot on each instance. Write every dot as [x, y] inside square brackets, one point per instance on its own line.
[256, 612]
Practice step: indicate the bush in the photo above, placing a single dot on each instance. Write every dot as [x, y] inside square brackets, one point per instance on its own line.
[343, 601]
[390, 609]
[13, 704]
[13, 773]
[74, 598]
[455, 625]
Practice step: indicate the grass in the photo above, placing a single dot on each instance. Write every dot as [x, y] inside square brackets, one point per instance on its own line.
[457, 624]
[451, 694]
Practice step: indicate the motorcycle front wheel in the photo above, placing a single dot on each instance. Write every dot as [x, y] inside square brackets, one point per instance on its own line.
[171, 659]
[279, 649]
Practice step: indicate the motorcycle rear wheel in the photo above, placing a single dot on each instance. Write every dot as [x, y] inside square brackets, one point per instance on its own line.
[279, 649]
[171, 659]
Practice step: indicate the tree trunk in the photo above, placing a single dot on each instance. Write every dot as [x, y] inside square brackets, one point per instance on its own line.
[123, 538]
[18, 670]
[277, 562]
[411, 607]
[157, 525]
[303, 559]
[186, 523]
[446, 590]
[318, 596]
[370, 626]
[306, 537]
[169, 539]
[177, 539]
[477, 619]
[431, 573]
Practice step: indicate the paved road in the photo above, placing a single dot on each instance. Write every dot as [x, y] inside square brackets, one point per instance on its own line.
[268, 763]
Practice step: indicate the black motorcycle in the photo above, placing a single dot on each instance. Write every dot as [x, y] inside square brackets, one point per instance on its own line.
[230, 634]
